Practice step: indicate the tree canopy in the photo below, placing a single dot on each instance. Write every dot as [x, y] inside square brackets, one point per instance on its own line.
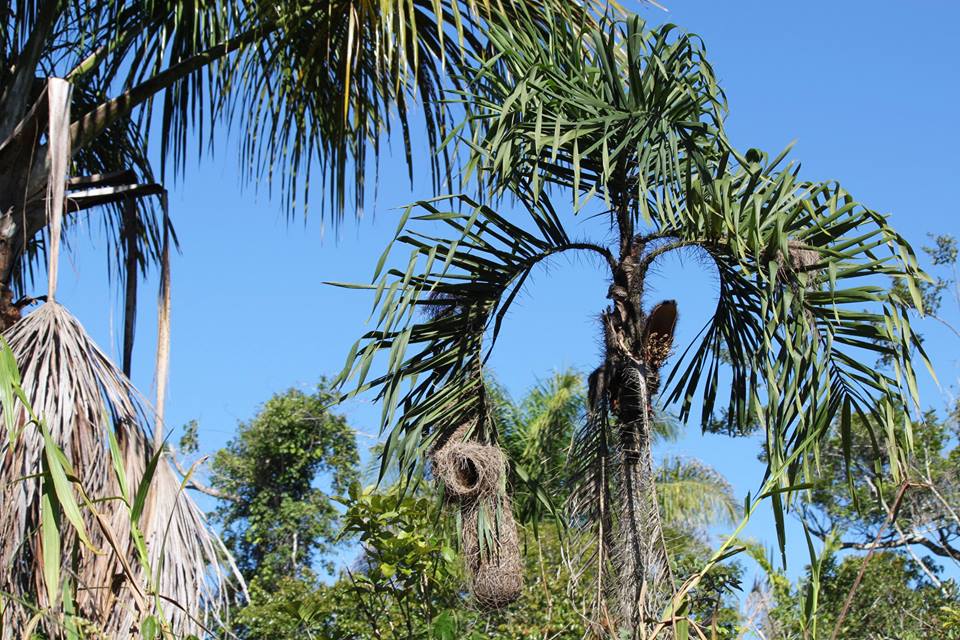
[278, 522]
[637, 123]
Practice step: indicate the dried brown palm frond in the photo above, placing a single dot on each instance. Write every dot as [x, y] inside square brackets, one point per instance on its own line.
[83, 397]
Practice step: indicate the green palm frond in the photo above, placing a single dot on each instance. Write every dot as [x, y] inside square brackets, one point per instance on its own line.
[309, 85]
[549, 412]
[802, 312]
[803, 273]
[433, 316]
[537, 434]
[629, 120]
[640, 121]
[694, 496]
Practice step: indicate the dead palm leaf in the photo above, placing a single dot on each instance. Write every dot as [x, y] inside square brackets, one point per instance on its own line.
[82, 397]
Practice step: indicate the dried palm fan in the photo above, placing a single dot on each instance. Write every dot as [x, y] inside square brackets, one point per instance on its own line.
[80, 395]
[83, 397]
[473, 476]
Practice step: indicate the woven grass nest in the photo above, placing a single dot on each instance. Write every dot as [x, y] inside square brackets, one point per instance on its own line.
[473, 475]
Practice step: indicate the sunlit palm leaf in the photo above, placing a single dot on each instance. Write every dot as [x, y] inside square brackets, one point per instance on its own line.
[629, 120]
[537, 435]
[694, 496]
[803, 310]
[434, 315]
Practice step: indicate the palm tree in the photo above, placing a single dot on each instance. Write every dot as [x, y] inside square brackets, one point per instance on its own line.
[83, 85]
[636, 125]
[538, 433]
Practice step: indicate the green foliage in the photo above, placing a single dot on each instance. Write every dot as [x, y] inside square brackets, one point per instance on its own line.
[278, 520]
[409, 581]
[407, 570]
[536, 435]
[296, 609]
[943, 257]
[713, 604]
[853, 495]
[694, 496]
[420, 593]
[190, 439]
[633, 115]
[398, 533]
[893, 600]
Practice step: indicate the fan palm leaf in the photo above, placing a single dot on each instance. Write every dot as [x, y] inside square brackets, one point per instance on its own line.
[84, 400]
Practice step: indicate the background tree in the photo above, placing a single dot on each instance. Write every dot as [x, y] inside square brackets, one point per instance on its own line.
[638, 124]
[408, 581]
[853, 498]
[895, 599]
[277, 520]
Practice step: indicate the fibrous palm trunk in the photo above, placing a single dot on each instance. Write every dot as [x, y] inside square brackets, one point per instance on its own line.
[636, 346]
[645, 582]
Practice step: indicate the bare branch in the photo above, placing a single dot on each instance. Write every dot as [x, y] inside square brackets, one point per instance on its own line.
[197, 486]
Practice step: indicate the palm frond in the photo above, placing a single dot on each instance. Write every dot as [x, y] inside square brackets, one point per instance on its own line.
[463, 288]
[550, 412]
[82, 398]
[621, 111]
[803, 277]
[802, 310]
[694, 496]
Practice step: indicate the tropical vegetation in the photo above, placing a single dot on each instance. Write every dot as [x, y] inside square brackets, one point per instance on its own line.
[629, 120]
[554, 516]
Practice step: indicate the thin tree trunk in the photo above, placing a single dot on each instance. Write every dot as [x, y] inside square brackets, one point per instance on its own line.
[646, 582]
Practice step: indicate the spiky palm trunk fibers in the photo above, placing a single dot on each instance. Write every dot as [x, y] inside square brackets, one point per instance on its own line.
[645, 582]
[636, 344]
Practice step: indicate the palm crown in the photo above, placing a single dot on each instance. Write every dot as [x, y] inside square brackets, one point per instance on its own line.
[308, 83]
[634, 117]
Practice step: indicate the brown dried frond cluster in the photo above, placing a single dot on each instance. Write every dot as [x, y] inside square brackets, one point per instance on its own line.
[473, 475]
[80, 395]
[802, 258]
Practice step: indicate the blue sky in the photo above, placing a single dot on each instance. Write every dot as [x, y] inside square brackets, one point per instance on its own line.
[868, 90]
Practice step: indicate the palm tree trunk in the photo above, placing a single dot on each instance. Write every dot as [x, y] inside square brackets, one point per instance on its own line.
[645, 583]
[636, 345]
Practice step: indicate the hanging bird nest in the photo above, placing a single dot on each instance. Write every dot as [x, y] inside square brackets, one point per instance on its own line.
[494, 563]
[474, 476]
